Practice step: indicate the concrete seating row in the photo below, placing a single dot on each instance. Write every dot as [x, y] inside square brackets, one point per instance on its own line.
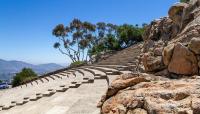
[52, 84]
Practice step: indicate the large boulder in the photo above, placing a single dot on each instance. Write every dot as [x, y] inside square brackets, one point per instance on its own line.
[194, 45]
[167, 54]
[199, 64]
[157, 96]
[124, 81]
[176, 13]
[190, 24]
[198, 57]
[152, 63]
[158, 51]
[137, 111]
[162, 28]
[183, 61]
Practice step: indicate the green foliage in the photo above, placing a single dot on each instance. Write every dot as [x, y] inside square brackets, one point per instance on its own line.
[184, 1]
[129, 34]
[96, 49]
[80, 37]
[1, 81]
[77, 63]
[76, 37]
[112, 37]
[25, 75]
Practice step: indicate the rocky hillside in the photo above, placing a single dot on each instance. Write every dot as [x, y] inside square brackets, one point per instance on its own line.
[167, 80]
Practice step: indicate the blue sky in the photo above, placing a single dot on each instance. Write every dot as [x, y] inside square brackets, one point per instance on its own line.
[26, 25]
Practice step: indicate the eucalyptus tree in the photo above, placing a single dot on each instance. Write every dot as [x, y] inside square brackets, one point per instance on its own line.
[89, 38]
[101, 31]
[111, 37]
[62, 33]
[74, 39]
[129, 35]
[79, 38]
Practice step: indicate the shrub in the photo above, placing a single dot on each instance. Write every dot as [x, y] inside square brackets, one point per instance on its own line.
[185, 1]
[77, 63]
[25, 75]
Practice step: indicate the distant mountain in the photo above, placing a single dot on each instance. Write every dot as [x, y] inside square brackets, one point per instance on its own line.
[9, 68]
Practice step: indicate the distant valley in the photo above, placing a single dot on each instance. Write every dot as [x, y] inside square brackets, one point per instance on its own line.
[9, 68]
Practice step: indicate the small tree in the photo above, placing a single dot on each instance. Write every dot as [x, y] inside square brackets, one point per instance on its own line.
[75, 38]
[25, 75]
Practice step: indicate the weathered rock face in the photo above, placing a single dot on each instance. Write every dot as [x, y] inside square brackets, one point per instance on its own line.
[190, 24]
[157, 96]
[176, 13]
[137, 111]
[172, 50]
[159, 29]
[152, 63]
[167, 54]
[158, 51]
[183, 27]
[147, 45]
[124, 81]
[194, 45]
[199, 64]
[183, 61]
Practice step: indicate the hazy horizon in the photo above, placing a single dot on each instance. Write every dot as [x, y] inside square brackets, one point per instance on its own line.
[26, 25]
[62, 64]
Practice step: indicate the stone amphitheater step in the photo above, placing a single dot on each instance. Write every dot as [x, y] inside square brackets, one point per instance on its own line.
[31, 92]
[59, 87]
[56, 86]
[49, 78]
[42, 80]
[108, 71]
[130, 67]
[111, 70]
[94, 71]
[72, 101]
[57, 75]
[114, 63]
[122, 57]
[97, 73]
[118, 67]
[79, 78]
[88, 100]
[87, 75]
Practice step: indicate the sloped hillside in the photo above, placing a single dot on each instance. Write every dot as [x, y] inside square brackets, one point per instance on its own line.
[9, 68]
[171, 62]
